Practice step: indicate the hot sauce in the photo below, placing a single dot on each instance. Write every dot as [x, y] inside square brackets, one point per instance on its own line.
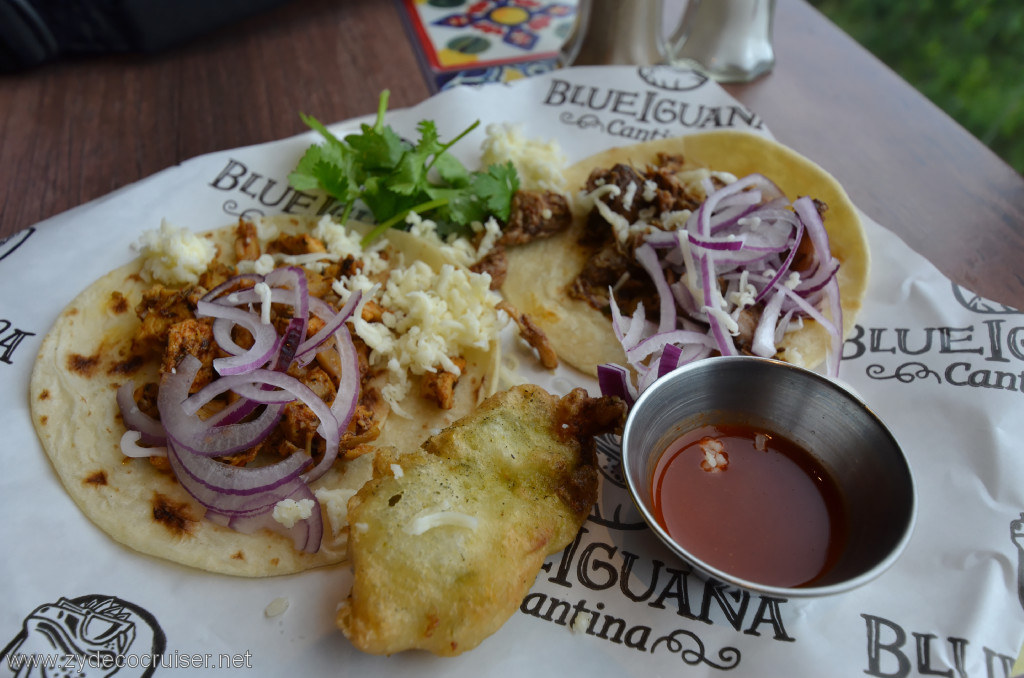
[751, 503]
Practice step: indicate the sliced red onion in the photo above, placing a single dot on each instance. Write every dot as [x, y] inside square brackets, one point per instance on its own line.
[334, 321]
[189, 431]
[614, 380]
[763, 343]
[264, 337]
[243, 280]
[630, 331]
[230, 489]
[726, 244]
[151, 430]
[648, 258]
[130, 447]
[662, 340]
[306, 534]
[745, 236]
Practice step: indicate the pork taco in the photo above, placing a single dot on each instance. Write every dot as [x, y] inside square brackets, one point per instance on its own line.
[719, 242]
[212, 402]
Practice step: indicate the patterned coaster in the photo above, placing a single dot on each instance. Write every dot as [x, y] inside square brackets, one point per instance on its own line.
[481, 41]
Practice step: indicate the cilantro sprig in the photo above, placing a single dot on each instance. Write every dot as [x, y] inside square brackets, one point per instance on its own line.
[393, 177]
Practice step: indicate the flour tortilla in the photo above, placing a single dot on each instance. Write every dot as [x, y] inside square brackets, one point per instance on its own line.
[540, 272]
[72, 392]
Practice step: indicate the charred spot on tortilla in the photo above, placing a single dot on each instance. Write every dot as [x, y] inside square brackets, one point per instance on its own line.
[97, 478]
[44, 394]
[130, 365]
[83, 365]
[238, 555]
[175, 516]
[118, 303]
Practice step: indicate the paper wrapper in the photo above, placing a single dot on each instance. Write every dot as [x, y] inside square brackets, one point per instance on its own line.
[942, 367]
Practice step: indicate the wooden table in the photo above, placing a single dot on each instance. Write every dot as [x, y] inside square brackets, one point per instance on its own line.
[73, 131]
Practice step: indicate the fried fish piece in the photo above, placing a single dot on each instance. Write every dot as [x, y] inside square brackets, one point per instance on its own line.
[447, 540]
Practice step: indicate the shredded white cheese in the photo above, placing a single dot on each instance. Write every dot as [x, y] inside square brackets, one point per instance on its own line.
[174, 255]
[342, 242]
[288, 511]
[263, 290]
[457, 250]
[540, 164]
[433, 316]
[730, 325]
[627, 197]
[744, 295]
[696, 180]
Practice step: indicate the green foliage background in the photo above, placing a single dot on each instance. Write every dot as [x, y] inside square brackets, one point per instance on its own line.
[967, 56]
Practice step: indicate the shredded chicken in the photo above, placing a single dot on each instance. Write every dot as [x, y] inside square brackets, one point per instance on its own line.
[532, 335]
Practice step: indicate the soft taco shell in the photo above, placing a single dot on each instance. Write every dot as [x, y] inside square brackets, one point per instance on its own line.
[85, 358]
[539, 273]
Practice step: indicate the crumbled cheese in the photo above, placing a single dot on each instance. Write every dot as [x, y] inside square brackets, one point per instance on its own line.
[650, 190]
[264, 265]
[457, 250]
[276, 607]
[792, 280]
[343, 242]
[174, 255]
[335, 505]
[435, 316]
[361, 528]
[540, 164]
[288, 511]
[397, 471]
[581, 621]
[428, 521]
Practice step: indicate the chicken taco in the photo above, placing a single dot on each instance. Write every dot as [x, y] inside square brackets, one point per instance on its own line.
[212, 403]
[712, 243]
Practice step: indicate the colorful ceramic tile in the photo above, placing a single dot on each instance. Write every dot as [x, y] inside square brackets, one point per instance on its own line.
[463, 41]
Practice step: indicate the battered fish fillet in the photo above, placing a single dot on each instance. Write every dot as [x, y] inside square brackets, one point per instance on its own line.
[446, 541]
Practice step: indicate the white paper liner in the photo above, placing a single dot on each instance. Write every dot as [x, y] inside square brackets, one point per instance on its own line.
[952, 605]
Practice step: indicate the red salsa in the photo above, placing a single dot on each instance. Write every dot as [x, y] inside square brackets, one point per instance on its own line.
[751, 503]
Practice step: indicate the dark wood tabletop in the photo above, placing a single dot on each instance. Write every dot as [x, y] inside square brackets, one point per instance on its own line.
[75, 130]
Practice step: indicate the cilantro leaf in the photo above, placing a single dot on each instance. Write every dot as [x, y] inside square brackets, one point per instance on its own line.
[495, 188]
[393, 177]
